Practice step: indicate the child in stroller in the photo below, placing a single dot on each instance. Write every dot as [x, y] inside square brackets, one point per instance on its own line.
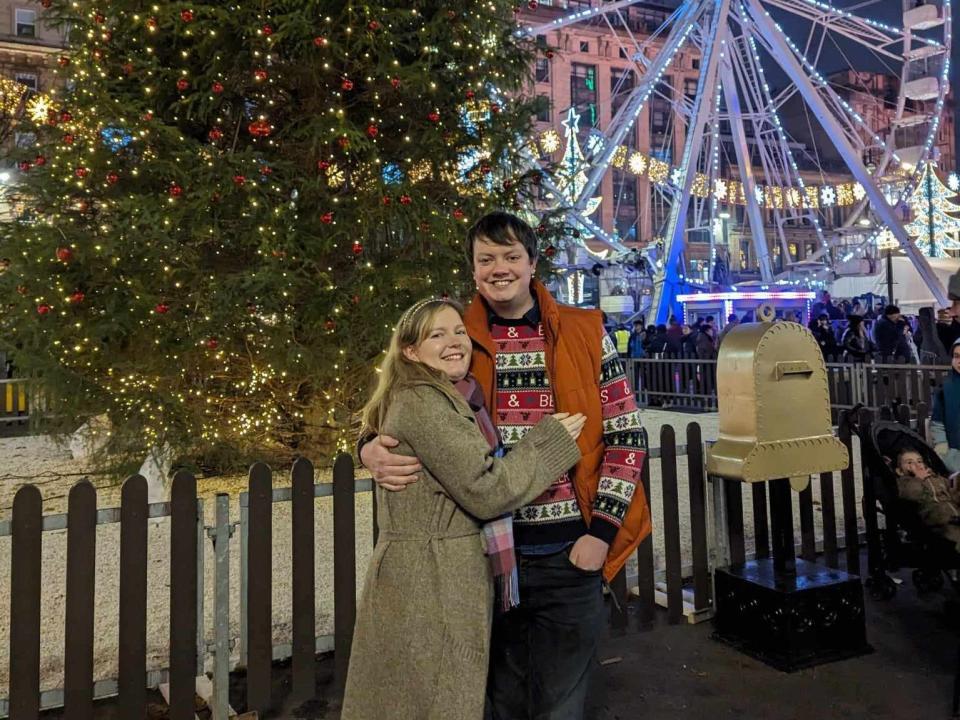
[909, 483]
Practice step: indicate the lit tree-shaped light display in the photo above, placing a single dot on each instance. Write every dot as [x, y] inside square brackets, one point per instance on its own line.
[230, 204]
[934, 226]
[571, 173]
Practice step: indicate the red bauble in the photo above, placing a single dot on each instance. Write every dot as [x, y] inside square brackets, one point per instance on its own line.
[346, 84]
[343, 141]
[326, 218]
[127, 68]
[330, 325]
[81, 172]
[183, 84]
[239, 180]
[458, 214]
[64, 254]
[152, 23]
[24, 165]
[43, 309]
[112, 178]
[470, 94]
[148, 115]
[395, 82]
[533, 4]
[549, 54]
[405, 200]
[161, 308]
[46, 3]
[259, 128]
[98, 18]
[372, 130]
[549, 251]
[433, 117]
[39, 160]
[495, 108]
[507, 184]
[485, 169]
[266, 170]
[63, 61]
[77, 297]
[260, 74]
[66, 116]
[320, 41]
[215, 134]
[213, 343]
[386, 200]
[216, 88]
[186, 15]
[424, 227]
[175, 190]
[267, 30]
[541, 229]
[322, 165]
[356, 299]
[357, 247]
[373, 25]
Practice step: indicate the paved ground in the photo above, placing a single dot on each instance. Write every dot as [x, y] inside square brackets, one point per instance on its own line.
[680, 671]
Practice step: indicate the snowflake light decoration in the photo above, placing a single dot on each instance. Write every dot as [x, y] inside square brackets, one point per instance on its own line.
[637, 163]
[827, 196]
[720, 189]
[550, 141]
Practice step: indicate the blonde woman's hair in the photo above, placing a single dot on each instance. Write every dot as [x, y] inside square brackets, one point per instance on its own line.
[397, 371]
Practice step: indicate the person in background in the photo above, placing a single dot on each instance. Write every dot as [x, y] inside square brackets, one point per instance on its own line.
[910, 347]
[621, 337]
[706, 347]
[937, 502]
[732, 322]
[674, 336]
[688, 343]
[857, 346]
[656, 340]
[948, 328]
[637, 340]
[945, 418]
[827, 340]
[888, 334]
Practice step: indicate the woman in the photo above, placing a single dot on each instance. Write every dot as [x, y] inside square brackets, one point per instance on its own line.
[422, 639]
[857, 346]
[945, 418]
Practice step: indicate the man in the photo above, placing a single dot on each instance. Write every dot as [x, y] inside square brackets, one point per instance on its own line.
[674, 336]
[732, 322]
[888, 334]
[532, 357]
[622, 337]
[637, 339]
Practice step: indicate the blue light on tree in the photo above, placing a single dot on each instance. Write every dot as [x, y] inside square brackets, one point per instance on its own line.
[392, 174]
[116, 138]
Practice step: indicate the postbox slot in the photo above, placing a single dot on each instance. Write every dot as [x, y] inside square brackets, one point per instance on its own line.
[793, 367]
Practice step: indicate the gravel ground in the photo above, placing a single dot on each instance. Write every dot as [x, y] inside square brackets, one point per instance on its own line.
[49, 466]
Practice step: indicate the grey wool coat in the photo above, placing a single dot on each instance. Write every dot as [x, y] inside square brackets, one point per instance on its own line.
[422, 638]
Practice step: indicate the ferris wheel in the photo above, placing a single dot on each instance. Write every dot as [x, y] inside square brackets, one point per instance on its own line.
[727, 143]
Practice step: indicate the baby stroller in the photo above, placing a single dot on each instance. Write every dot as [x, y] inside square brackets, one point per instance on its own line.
[904, 541]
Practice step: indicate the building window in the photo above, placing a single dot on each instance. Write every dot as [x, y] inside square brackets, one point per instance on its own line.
[622, 83]
[578, 4]
[543, 70]
[661, 109]
[695, 63]
[690, 88]
[28, 79]
[543, 115]
[625, 204]
[623, 54]
[583, 93]
[541, 41]
[585, 46]
[26, 22]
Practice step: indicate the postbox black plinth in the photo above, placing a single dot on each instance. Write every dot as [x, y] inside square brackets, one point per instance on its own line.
[790, 620]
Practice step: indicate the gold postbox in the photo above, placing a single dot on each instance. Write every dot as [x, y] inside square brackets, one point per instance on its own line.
[774, 406]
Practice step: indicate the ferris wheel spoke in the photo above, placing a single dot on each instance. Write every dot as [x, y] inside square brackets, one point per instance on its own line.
[872, 34]
[795, 72]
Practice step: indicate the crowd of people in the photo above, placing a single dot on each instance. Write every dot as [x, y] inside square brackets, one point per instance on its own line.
[852, 330]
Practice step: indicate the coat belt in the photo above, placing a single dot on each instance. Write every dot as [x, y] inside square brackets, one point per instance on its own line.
[403, 536]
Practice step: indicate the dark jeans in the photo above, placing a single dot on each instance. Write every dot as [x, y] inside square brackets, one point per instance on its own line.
[542, 651]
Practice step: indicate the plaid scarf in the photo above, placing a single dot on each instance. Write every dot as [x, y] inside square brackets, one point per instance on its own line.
[497, 533]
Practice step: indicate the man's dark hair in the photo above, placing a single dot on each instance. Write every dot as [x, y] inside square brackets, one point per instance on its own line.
[638, 322]
[709, 319]
[732, 317]
[891, 310]
[502, 228]
[823, 316]
[661, 328]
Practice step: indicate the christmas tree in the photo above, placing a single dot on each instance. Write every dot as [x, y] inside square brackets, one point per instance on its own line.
[229, 204]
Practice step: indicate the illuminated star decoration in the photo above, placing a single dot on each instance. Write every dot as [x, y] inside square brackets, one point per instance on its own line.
[572, 176]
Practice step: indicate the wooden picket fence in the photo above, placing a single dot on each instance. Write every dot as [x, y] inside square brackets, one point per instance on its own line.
[714, 510]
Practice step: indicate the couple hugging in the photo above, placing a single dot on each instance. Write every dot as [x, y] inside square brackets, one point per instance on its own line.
[507, 449]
